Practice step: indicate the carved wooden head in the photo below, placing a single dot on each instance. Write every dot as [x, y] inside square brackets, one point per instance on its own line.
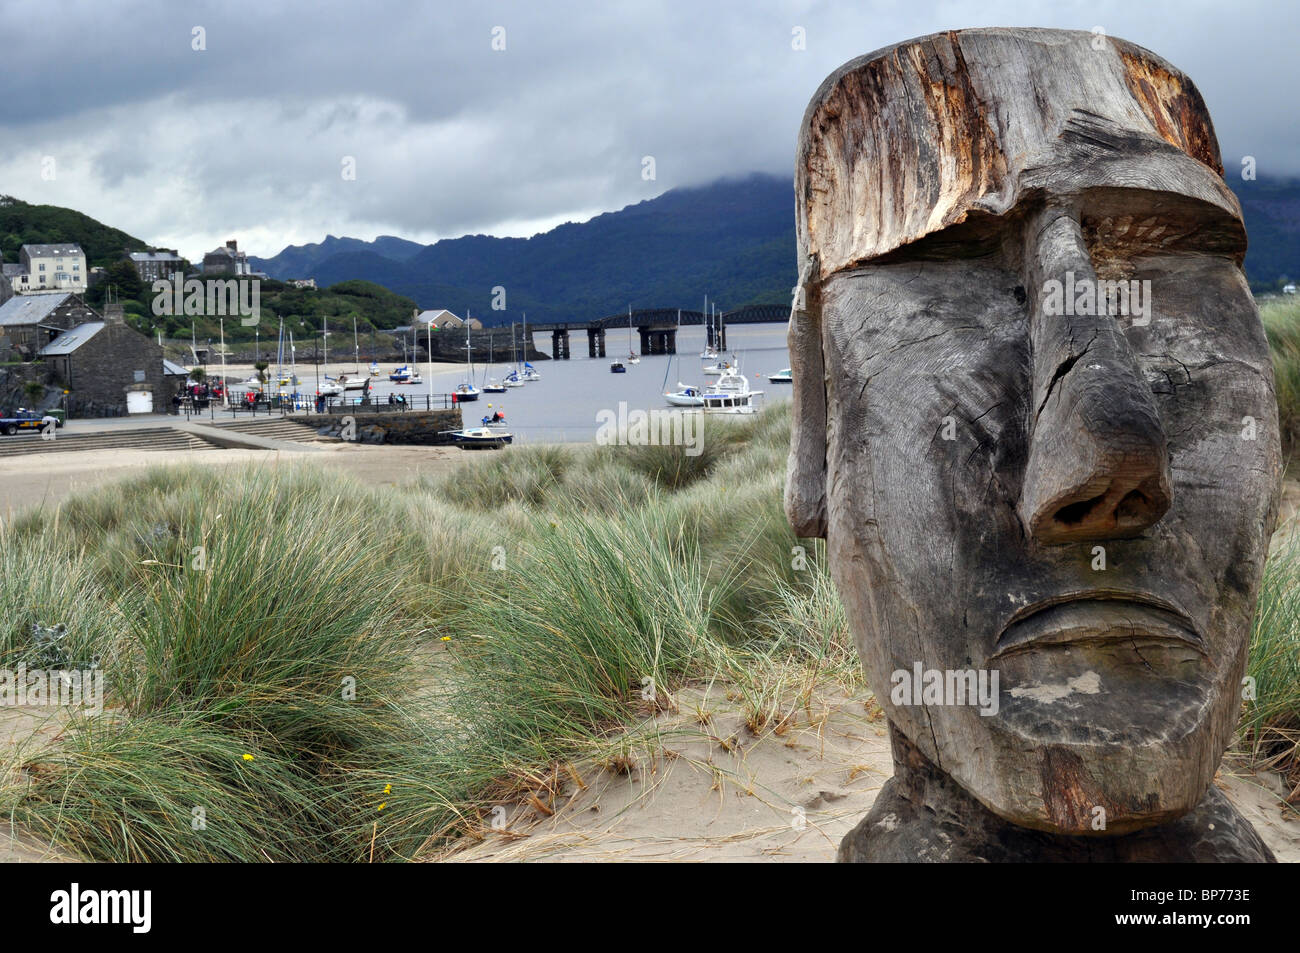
[1034, 414]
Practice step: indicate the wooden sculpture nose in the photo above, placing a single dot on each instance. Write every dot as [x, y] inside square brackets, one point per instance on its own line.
[1098, 464]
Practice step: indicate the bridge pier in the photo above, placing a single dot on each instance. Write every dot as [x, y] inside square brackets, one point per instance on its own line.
[595, 342]
[646, 345]
[560, 344]
[659, 342]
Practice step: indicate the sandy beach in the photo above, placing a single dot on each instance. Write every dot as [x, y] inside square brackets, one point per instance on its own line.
[47, 479]
[716, 792]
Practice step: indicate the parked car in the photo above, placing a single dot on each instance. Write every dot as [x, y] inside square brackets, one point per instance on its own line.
[24, 419]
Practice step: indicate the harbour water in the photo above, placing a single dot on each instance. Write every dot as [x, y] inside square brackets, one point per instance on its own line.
[562, 407]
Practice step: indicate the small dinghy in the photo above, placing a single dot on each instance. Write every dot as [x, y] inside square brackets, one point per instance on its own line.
[685, 396]
[480, 438]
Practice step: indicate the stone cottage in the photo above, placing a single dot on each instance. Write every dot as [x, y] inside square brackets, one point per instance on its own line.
[32, 321]
[109, 369]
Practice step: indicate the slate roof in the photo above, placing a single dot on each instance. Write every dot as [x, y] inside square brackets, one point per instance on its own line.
[52, 251]
[29, 309]
[69, 341]
[154, 256]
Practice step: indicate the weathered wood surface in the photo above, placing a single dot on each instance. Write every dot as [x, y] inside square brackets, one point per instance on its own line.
[1079, 502]
[911, 139]
[922, 816]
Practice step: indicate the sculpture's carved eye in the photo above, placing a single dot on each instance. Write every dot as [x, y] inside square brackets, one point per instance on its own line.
[1120, 227]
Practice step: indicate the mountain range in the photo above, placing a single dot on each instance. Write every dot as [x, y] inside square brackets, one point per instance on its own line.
[732, 240]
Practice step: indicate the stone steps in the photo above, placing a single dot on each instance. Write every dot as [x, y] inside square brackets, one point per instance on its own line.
[150, 438]
[277, 428]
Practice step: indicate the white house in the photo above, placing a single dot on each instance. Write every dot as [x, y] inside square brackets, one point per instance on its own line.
[439, 319]
[44, 268]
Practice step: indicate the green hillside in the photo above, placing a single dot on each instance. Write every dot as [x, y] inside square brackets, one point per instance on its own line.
[302, 309]
[25, 224]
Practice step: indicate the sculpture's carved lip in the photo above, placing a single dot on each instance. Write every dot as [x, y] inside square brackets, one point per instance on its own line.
[1097, 615]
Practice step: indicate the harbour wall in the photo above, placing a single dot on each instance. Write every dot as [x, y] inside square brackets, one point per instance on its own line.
[412, 427]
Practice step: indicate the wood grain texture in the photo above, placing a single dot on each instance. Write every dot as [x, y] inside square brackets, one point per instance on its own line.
[1080, 502]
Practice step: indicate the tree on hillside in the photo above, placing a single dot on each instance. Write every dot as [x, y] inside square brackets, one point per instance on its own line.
[123, 275]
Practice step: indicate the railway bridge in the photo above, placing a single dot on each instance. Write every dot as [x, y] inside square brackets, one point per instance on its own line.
[657, 328]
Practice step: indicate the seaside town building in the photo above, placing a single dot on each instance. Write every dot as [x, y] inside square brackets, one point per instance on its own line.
[442, 320]
[153, 265]
[46, 268]
[226, 261]
[109, 368]
[29, 322]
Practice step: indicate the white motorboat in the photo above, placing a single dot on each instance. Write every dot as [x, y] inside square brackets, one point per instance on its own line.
[731, 395]
[781, 377]
[720, 369]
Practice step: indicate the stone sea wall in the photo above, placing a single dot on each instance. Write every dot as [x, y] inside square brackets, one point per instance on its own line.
[422, 427]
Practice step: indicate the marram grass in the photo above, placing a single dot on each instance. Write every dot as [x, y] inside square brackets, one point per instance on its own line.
[353, 675]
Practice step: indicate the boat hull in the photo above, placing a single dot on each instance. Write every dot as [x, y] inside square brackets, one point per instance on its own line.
[481, 438]
[682, 400]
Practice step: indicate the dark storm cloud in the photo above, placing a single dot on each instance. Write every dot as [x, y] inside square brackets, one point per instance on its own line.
[248, 137]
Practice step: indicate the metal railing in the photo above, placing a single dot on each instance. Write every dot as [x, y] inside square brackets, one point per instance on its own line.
[277, 406]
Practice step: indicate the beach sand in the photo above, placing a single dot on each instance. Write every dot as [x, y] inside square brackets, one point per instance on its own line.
[48, 478]
[720, 793]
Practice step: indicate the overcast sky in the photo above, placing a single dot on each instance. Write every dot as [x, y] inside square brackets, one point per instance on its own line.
[247, 138]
